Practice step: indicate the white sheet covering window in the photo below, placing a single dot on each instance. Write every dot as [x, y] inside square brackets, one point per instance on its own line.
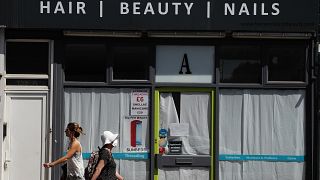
[185, 173]
[195, 110]
[100, 109]
[261, 122]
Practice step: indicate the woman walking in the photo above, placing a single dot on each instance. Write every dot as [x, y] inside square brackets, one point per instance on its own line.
[75, 169]
[106, 168]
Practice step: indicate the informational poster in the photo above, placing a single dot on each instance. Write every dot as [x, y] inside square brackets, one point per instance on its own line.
[139, 102]
[136, 128]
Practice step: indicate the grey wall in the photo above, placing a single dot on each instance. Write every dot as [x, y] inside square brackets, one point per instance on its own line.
[2, 85]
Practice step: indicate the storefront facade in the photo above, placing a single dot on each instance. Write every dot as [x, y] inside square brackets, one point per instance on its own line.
[196, 90]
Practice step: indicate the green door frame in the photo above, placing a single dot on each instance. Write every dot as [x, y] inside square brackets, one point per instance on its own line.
[157, 118]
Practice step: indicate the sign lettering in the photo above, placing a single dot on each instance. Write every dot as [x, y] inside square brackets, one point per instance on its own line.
[148, 15]
[185, 64]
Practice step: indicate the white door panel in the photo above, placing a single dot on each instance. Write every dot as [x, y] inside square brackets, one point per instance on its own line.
[26, 116]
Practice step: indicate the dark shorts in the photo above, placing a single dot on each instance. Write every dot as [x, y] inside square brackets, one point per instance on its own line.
[75, 178]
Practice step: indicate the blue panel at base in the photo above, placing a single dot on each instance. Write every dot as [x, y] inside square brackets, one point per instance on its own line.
[274, 158]
[123, 155]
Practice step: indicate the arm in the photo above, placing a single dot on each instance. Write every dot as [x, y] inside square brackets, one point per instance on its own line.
[98, 170]
[119, 176]
[75, 145]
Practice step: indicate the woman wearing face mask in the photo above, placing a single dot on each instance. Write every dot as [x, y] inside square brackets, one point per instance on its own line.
[75, 169]
[106, 168]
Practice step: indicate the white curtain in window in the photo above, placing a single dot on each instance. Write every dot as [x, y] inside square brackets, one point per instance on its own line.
[168, 111]
[195, 111]
[184, 173]
[262, 122]
[96, 110]
[101, 109]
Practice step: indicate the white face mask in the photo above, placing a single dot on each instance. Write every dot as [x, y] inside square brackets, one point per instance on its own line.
[115, 143]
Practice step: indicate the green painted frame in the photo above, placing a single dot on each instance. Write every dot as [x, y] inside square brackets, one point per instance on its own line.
[157, 118]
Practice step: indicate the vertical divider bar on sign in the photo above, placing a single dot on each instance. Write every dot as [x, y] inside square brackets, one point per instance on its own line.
[156, 129]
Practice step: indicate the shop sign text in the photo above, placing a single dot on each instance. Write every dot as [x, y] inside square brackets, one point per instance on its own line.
[160, 8]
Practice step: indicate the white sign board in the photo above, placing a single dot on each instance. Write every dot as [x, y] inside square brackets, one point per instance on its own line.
[185, 64]
[139, 102]
[179, 129]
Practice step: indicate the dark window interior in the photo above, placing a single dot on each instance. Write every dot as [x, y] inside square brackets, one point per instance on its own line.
[27, 57]
[177, 98]
[287, 63]
[85, 62]
[27, 82]
[131, 63]
[240, 64]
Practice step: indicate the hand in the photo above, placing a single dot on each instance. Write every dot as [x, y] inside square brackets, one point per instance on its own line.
[47, 165]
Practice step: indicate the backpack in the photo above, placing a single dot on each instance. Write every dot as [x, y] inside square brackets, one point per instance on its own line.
[92, 163]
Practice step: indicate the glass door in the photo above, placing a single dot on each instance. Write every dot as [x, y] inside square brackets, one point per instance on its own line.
[184, 133]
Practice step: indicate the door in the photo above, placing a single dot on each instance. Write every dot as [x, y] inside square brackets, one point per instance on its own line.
[25, 141]
[184, 133]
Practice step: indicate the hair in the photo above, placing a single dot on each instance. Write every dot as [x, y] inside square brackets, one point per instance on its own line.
[75, 128]
[105, 146]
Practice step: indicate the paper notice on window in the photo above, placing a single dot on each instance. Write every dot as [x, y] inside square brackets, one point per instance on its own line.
[139, 102]
[179, 129]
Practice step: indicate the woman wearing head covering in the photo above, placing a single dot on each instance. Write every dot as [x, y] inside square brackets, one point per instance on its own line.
[75, 169]
[106, 168]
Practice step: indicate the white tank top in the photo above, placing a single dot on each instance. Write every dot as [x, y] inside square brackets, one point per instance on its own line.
[75, 165]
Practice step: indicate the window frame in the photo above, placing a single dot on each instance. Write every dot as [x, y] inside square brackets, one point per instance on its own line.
[264, 46]
[197, 160]
[218, 61]
[266, 59]
[150, 63]
[32, 76]
[85, 42]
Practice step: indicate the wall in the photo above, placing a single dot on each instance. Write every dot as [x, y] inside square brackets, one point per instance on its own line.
[2, 85]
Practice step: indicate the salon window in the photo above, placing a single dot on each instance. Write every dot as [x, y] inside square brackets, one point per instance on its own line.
[85, 62]
[240, 64]
[287, 63]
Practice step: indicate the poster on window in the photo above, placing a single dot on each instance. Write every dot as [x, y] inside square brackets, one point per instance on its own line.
[136, 128]
[139, 102]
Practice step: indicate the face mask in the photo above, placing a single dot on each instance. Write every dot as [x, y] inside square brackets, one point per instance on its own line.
[115, 143]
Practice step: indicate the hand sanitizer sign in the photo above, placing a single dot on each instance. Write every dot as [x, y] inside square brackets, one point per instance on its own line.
[135, 128]
[136, 132]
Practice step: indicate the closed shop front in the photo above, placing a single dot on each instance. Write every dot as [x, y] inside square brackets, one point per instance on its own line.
[195, 90]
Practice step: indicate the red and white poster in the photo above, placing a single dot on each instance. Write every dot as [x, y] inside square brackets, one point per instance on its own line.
[139, 102]
[137, 139]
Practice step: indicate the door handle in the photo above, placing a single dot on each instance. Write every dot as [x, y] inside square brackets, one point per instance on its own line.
[5, 165]
[183, 160]
[6, 161]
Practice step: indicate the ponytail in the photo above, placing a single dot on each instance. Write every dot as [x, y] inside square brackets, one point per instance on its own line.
[75, 128]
